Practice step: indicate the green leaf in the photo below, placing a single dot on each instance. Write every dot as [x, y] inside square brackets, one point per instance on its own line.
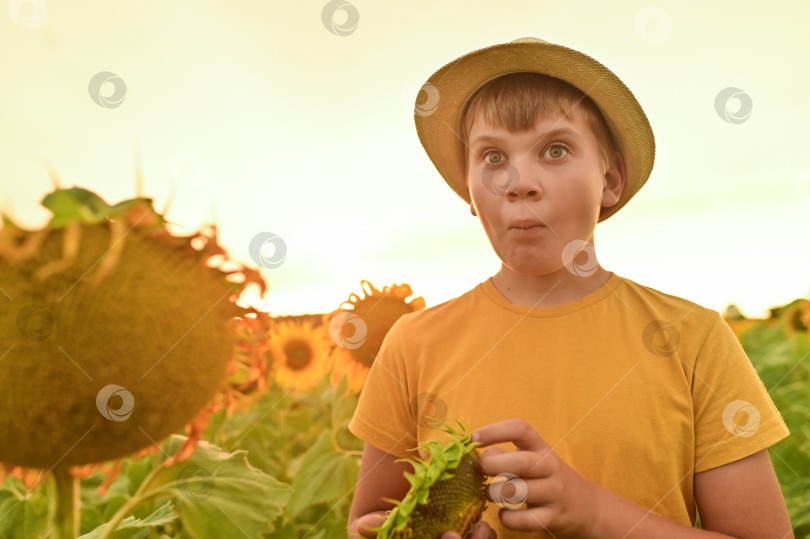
[90, 518]
[212, 431]
[220, 494]
[348, 441]
[343, 405]
[325, 474]
[320, 534]
[112, 505]
[12, 485]
[25, 516]
[283, 530]
[131, 526]
[264, 446]
[135, 473]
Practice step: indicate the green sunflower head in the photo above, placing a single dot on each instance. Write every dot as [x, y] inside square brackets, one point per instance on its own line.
[447, 491]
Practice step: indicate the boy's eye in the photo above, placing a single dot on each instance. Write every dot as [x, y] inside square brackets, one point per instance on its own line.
[493, 157]
[556, 151]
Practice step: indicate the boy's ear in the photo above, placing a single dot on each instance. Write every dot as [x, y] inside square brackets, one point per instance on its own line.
[615, 180]
[472, 211]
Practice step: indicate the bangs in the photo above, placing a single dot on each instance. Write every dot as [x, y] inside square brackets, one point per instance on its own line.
[517, 100]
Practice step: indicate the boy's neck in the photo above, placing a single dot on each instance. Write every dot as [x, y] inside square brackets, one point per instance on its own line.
[548, 290]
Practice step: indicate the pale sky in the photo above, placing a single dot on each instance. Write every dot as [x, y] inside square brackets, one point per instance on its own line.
[257, 115]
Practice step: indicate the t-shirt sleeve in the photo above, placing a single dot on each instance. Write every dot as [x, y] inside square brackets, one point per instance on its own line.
[383, 415]
[734, 415]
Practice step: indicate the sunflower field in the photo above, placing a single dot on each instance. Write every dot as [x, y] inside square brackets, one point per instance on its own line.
[267, 452]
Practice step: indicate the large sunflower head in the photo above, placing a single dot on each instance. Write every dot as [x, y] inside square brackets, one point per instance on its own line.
[300, 354]
[114, 332]
[360, 325]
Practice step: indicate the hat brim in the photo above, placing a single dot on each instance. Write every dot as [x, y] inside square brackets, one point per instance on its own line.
[449, 88]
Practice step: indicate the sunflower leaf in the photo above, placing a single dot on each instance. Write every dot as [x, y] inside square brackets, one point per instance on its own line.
[22, 515]
[132, 526]
[343, 405]
[325, 474]
[220, 494]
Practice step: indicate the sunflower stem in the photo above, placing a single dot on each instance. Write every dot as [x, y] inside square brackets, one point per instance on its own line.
[66, 504]
[141, 495]
[123, 512]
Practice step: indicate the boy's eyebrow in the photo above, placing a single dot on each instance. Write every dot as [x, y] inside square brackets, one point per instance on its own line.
[555, 132]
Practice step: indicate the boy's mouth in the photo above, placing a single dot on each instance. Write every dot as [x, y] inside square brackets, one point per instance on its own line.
[525, 224]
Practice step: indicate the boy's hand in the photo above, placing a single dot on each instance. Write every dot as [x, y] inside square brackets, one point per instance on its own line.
[377, 518]
[558, 499]
[359, 528]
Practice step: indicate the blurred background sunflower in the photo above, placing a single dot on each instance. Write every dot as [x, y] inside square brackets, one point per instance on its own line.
[300, 354]
[360, 325]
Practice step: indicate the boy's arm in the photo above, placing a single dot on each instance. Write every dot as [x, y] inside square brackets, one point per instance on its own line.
[741, 499]
[380, 477]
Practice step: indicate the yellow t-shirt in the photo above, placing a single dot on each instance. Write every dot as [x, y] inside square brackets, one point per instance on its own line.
[635, 389]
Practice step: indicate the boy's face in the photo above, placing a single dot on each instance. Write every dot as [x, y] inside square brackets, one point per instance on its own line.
[538, 190]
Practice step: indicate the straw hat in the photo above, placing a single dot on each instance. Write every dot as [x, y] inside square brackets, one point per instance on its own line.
[448, 89]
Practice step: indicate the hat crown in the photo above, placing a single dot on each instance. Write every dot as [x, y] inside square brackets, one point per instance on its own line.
[528, 39]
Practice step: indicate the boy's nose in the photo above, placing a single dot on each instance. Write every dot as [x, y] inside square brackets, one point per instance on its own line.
[526, 182]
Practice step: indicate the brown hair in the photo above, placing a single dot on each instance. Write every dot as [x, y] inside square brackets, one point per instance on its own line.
[516, 100]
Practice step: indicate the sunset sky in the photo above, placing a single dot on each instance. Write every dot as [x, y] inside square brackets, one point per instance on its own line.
[258, 116]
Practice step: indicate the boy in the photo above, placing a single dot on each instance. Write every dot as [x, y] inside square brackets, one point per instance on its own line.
[617, 409]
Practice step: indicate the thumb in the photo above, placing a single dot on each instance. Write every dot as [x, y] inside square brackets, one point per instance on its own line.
[369, 520]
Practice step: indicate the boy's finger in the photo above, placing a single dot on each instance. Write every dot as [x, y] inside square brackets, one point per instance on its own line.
[494, 450]
[370, 520]
[483, 531]
[517, 431]
[525, 464]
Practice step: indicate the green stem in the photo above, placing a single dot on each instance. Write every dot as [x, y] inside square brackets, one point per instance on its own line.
[123, 512]
[66, 504]
[140, 496]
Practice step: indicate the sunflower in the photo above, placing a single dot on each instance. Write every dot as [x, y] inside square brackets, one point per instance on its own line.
[358, 329]
[117, 328]
[300, 354]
